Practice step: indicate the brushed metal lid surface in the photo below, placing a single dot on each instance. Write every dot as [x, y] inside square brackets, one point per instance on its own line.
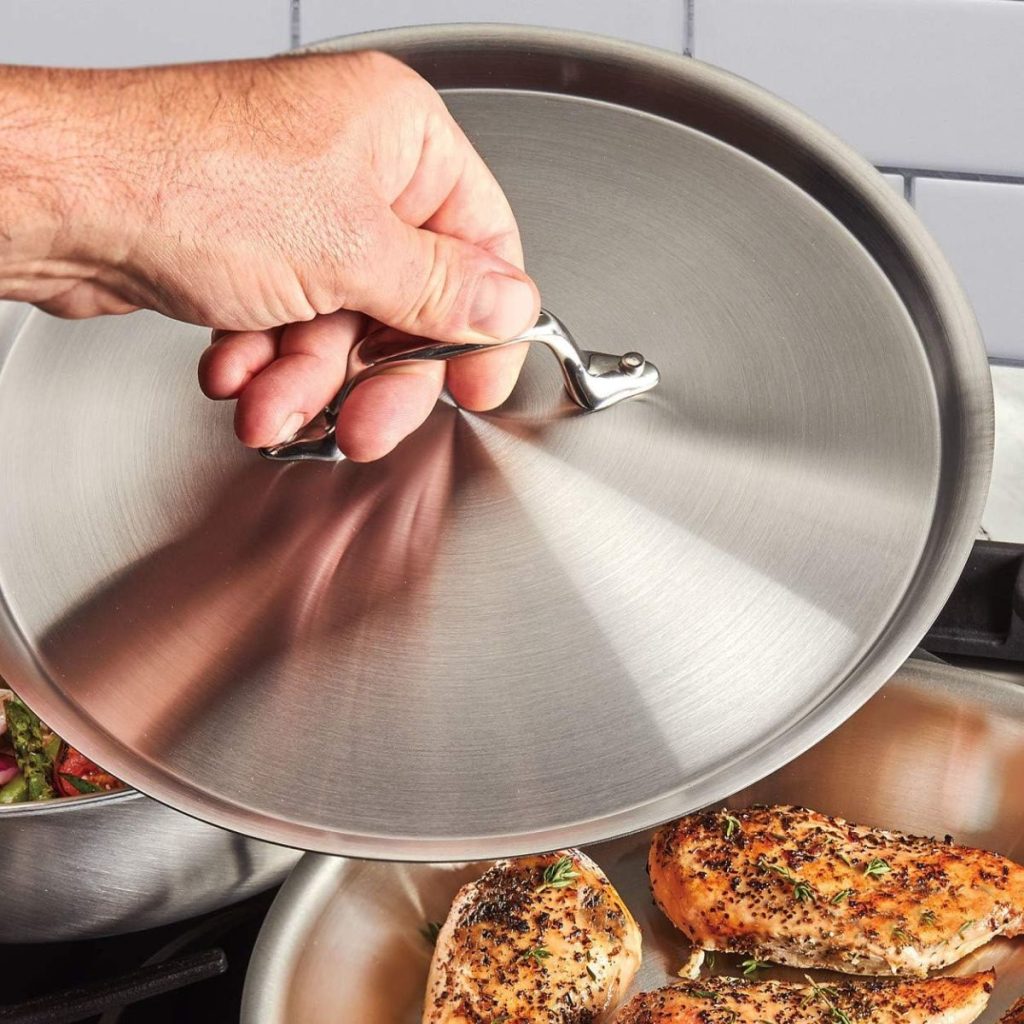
[535, 627]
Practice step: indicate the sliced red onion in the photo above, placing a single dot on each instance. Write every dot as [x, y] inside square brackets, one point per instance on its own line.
[8, 769]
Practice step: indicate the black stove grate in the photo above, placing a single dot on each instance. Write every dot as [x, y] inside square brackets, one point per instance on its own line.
[192, 971]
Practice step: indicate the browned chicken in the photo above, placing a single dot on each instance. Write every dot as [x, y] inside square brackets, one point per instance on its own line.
[537, 940]
[1015, 1014]
[730, 1001]
[796, 887]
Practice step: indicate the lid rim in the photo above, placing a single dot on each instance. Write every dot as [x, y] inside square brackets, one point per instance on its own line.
[935, 294]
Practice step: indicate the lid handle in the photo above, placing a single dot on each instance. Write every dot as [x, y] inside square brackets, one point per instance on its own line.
[594, 380]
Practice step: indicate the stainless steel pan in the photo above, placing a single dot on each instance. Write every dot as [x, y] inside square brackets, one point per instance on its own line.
[937, 750]
[90, 866]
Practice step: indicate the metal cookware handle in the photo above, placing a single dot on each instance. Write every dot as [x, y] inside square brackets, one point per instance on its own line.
[594, 380]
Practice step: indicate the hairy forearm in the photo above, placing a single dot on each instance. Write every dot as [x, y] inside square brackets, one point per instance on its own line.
[40, 179]
[107, 175]
[68, 212]
[31, 199]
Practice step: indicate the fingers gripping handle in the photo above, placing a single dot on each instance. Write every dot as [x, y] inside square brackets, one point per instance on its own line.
[594, 380]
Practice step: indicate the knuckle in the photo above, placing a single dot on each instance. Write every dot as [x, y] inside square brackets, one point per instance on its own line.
[441, 296]
[336, 248]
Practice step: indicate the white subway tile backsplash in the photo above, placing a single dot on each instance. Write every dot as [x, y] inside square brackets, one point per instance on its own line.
[1003, 518]
[980, 227]
[110, 33]
[655, 22]
[934, 84]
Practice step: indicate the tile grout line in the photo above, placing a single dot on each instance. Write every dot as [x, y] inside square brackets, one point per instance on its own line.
[295, 27]
[688, 26]
[920, 172]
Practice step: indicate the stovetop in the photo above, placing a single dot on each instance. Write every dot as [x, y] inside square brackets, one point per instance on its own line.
[196, 968]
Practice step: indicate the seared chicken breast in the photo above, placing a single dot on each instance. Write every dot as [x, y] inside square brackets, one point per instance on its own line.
[537, 940]
[1015, 1014]
[730, 1001]
[796, 887]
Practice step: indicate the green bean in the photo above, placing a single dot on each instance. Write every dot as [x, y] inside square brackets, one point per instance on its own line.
[26, 732]
[15, 791]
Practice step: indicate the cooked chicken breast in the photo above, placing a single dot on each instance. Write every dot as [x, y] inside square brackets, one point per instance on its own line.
[537, 940]
[1015, 1014]
[721, 1000]
[796, 887]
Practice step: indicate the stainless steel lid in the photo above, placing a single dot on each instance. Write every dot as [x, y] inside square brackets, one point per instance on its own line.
[536, 627]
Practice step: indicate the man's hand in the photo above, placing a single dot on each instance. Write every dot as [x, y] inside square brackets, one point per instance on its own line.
[287, 204]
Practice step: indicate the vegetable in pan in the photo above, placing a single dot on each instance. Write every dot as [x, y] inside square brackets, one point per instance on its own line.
[36, 764]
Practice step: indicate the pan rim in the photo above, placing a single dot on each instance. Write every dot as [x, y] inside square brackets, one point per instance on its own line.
[289, 921]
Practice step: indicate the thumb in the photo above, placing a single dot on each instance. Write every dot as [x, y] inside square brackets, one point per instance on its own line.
[440, 287]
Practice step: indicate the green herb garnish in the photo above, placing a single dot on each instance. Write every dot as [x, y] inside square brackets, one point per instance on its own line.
[751, 965]
[560, 875]
[732, 825]
[841, 897]
[780, 869]
[536, 955]
[928, 917]
[877, 868]
[802, 891]
[826, 993]
[817, 991]
[703, 993]
[967, 924]
[430, 932]
[82, 785]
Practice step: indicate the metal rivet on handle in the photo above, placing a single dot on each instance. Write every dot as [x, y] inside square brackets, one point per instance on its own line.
[632, 363]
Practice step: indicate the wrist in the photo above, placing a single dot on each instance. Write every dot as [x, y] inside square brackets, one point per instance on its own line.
[66, 212]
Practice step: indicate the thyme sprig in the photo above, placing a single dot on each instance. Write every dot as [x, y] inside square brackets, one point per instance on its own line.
[826, 993]
[560, 875]
[538, 955]
[877, 868]
[802, 891]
